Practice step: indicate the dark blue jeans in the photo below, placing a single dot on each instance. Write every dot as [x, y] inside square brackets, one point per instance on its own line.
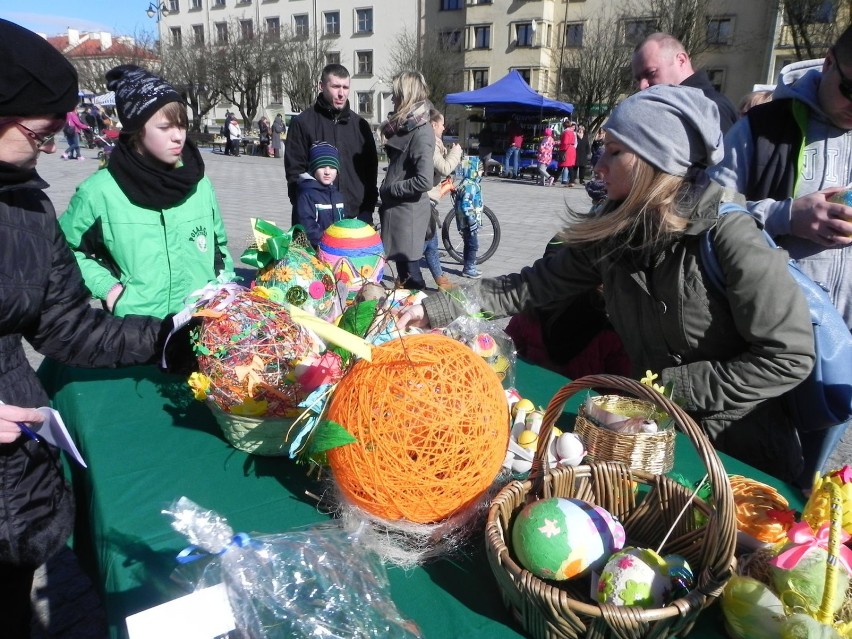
[471, 246]
[513, 155]
[430, 252]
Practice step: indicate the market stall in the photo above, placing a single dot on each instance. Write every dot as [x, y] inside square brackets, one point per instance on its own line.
[156, 443]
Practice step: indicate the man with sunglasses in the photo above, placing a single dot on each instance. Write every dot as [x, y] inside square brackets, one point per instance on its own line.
[789, 157]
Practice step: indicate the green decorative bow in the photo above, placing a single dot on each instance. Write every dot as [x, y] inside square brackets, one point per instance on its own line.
[271, 243]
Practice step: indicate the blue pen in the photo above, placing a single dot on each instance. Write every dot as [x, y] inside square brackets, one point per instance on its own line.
[26, 430]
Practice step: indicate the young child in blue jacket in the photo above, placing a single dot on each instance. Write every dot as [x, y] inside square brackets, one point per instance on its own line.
[319, 203]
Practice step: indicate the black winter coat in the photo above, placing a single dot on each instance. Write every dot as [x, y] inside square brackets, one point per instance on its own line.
[43, 299]
[350, 133]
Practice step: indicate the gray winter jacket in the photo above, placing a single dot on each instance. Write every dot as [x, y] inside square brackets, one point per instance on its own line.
[826, 156]
[405, 210]
[729, 355]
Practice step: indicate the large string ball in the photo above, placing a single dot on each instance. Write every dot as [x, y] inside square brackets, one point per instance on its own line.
[251, 356]
[431, 422]
[302, 280]
[354, 252]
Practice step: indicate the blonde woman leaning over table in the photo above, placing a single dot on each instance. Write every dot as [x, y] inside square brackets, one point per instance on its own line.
[730, 359]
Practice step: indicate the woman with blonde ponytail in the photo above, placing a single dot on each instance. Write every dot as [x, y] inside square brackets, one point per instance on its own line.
[410, 144]
[729, 355]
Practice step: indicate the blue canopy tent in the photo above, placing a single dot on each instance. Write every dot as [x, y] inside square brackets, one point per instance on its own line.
[511, 95]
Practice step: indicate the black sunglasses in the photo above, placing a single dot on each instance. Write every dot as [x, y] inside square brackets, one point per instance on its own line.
[845, 86]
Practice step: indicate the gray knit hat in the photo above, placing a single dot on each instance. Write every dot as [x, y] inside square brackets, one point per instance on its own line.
[669, 126]
[138, 95]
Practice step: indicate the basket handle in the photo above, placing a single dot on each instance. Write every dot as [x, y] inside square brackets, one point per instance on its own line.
[723, 498]
[824, 613]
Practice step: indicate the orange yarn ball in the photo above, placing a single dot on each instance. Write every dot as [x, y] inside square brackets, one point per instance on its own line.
[431, 420]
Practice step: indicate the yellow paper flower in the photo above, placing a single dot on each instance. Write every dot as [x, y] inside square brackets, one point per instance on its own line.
[251, 408]
[284, 273]
[648, 380]
[305, 271]
[261, 291]
[200, 384]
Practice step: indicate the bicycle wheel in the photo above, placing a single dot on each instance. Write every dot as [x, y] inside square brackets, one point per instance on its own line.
[488, 234]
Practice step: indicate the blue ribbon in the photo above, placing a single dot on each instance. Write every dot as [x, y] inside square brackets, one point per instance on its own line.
[193, 552]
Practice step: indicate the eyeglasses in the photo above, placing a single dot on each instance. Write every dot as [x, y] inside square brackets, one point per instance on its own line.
[41, 141]
[845, 86]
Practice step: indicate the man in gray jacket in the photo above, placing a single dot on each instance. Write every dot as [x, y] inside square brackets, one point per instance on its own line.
[790, 157]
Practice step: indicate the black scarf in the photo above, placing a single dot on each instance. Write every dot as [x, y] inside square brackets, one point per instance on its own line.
[148, 183]
[12, 174]
[338, 115]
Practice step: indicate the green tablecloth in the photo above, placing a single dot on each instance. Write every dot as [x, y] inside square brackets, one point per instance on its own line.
[148, 442]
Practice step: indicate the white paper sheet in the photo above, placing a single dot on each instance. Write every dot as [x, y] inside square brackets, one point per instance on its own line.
[204, 614]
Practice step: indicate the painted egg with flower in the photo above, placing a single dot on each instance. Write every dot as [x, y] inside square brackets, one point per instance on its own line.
[302, 280]
[561, 538]
[641, 577]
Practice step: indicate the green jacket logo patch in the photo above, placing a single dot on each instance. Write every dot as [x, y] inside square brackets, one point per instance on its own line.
[199, 236]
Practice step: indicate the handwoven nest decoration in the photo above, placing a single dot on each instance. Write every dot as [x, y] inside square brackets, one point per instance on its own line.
[253, 358]
[302, 280]
[431, 423]
[354, 252]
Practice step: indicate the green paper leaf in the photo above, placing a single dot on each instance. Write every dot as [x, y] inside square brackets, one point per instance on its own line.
[328, 435]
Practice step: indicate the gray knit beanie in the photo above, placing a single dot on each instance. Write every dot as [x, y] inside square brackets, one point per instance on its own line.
[669, 126]
[138, 95]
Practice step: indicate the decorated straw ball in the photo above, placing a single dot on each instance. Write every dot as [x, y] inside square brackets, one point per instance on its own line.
[302, 280]
[430, 419]
[354, 252]
[255, 360]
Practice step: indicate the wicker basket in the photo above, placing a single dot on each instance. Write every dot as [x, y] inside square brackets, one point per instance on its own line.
[551, 610]
[651, 452]
[256, 435]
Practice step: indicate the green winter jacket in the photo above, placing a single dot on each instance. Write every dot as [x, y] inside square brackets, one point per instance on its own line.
[158, 256]
[730, 355]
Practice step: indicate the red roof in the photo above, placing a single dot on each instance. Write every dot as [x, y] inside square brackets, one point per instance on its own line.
[91, 48]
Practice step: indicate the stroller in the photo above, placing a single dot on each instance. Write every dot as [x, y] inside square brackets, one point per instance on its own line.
[105, 143]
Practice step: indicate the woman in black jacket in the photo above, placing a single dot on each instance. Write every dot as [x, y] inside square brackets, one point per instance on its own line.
[43, 300]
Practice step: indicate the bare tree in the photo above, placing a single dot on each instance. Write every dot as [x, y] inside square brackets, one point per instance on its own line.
[595, 76]
[300, 60]
[686, 20]
[813, 25]
[191, 71]
[435, 55]
[241, 64]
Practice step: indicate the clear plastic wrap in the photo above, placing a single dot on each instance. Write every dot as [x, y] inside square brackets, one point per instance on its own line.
[314, 582]
[484, 336]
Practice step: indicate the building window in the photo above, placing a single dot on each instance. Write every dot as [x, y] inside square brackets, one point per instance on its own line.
[301, 25]
[365, 102]
[273, 28]
[636, 30]
[218, 3]
[221, 33]
[363, 20]
[246, 29]
[332, 57]
[478, 78]
[175, 37]
[526, 74]
[364, 62]
[174, 6]
[450, 40]
[481, 37]
[720, 31]
[524, 34]
[574, 34]
[810, 12]
[198, 34]
[332, 23]
[276, 88]
[717, 78]
[195, 4]
[451, 5]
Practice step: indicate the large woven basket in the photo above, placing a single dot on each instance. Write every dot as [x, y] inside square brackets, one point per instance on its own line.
[651, 452]
[256, 435]
[647, 505]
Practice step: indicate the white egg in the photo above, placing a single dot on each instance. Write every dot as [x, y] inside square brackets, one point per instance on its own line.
[521, 466]
[570, 449]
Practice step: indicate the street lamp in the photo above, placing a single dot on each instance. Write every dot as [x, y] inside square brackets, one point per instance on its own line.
[161, 10]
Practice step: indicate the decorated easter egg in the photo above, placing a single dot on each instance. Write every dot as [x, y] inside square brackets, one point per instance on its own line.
[354, 252]
[801, 570]
[528, 439]
[570, 449]
[522, 405]
[634, 577]
[843, 197]
[302, 280]
[564, 538]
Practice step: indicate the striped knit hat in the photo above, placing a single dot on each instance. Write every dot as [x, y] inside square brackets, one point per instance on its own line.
[323, 154]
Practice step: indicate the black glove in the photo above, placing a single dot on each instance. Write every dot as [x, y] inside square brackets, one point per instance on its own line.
[178, 353]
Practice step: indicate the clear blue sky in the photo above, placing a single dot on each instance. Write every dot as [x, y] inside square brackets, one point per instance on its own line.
[53, 17]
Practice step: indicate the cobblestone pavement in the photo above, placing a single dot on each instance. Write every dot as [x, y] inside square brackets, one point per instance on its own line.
[529, 215]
